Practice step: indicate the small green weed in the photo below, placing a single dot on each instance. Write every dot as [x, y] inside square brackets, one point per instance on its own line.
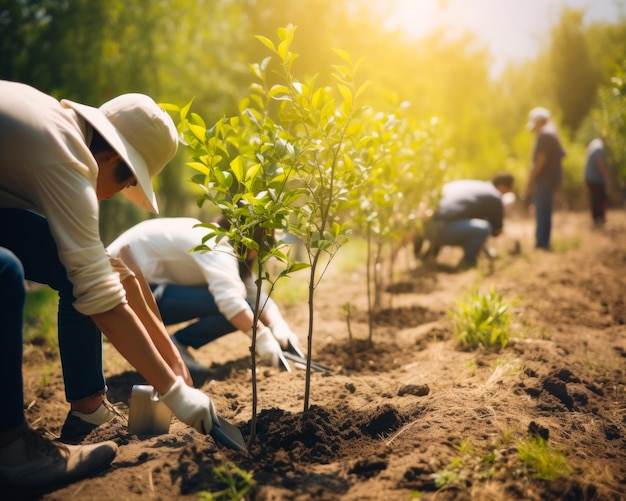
[482, 320]
[507, 438]
[544, 462]
[446, 478]
[233, 483]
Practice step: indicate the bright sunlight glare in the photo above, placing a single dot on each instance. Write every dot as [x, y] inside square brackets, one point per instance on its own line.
[510, 29]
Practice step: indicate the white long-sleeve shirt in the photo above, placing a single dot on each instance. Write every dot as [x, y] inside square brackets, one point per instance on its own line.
[46, 166]
[161, 248]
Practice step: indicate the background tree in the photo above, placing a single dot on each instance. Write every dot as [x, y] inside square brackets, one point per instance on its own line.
[575, 79]
[176, 50]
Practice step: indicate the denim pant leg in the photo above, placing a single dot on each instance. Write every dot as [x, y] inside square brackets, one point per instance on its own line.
[180, 303]
[13, 294]
[597, 201]
[471, 234]
[543, 195]
[80, 342]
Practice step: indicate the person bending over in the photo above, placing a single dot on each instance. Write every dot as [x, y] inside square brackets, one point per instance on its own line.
[468, 212]
[211, 290]
[58, 159]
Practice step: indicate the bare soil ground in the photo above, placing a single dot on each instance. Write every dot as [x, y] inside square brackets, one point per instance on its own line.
[414, 416]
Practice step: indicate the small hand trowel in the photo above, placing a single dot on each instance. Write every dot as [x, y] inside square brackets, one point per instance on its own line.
[150, 416]
[226, 434]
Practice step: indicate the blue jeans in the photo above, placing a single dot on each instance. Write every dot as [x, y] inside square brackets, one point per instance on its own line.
[179, 303]
[13, 295]
[28, 236]
[598, 201]
[543, 196]
[471, 234]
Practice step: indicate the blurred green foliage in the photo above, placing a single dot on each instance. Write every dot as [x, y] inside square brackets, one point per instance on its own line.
[40, 318]
[178, 50]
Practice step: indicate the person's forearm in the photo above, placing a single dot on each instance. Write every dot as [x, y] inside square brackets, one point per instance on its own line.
[139, 299]
[537, 169]
[244, 320]
[124, 330]
[128, 257]
[270, 316]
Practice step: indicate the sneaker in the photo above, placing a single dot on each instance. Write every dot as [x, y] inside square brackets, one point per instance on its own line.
[78, 424]
[34, 463]
[192, 364]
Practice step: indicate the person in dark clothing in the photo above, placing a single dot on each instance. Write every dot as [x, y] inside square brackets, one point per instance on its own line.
[545, 173]
[469, 211]
[598, 181]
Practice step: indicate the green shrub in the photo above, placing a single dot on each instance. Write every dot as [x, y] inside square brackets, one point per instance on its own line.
[482, 320]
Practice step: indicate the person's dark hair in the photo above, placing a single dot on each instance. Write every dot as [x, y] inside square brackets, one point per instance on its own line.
[503, 179]
[98, 143]
[261, 236]
[122, 172]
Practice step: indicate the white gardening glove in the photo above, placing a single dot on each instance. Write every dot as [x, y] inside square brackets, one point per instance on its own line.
[191, 406]
[284, 335]
[267, 347]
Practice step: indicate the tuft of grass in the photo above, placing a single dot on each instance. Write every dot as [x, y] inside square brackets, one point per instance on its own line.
[507, 437]
[447, 478]
[544, 462]
[471, 367]
[232, 483]
[45, 380]
[482, 320]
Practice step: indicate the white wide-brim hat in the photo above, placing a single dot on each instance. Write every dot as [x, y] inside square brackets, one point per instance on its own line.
[141, 132]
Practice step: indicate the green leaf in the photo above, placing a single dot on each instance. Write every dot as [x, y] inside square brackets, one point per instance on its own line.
[343, 55]
[252, 172]
[238, 168]
[279, 92]
[169, 107]
[266, 41]
[198, 131]
[199, 166]
[362, 88]
[185, 110]
[297, 267]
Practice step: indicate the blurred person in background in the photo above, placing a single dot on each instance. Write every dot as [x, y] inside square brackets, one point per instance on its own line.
[468, 213]
[545, 173]
[598, 181]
